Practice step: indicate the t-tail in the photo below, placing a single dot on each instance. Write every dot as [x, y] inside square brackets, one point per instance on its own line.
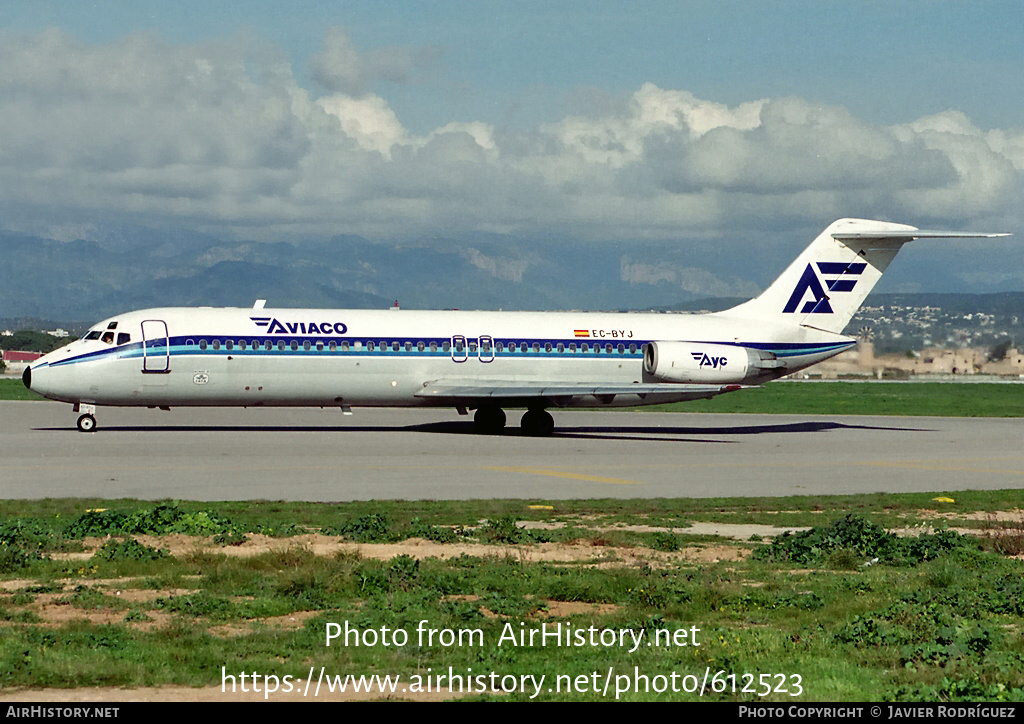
[829, 281]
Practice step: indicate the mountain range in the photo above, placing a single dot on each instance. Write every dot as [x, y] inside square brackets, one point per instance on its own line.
[82, 280]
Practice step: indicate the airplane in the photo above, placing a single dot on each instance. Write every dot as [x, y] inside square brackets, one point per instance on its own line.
[479, 360]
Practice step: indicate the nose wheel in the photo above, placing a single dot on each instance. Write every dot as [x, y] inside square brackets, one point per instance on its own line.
[86, 423]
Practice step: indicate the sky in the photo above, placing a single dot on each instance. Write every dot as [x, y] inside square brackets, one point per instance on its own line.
[597, 120]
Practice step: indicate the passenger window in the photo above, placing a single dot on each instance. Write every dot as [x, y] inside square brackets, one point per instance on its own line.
[216, 344]
[446, 346]
[420, 346]
[229, 344]
[369, 346]
[280, 345]
[294, 345]
[267, 345]
[190, 343]
[632, 349]
[560, 347]
[320, 346]
[344, 346]
[523, 347]
[585, 347]
[124, 338]
[433, 346]
[608, 348]
[357, 345]
[547, 346]
[241, 344]
[202, 344]
[306, 345]
[621, 348]
[408, 346]
[394, 346]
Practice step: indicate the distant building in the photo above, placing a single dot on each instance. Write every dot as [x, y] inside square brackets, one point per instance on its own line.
[861, 361]
[16, 361]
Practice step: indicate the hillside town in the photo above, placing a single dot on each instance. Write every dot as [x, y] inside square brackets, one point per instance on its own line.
[861, 361]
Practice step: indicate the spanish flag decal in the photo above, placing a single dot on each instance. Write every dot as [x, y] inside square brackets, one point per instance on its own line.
[582, 332]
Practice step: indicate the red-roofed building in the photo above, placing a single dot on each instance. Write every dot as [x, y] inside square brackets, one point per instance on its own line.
[16, 361]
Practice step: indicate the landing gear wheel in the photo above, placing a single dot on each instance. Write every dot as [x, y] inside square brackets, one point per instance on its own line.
[86, 423]
[537, 423]
[489, 419]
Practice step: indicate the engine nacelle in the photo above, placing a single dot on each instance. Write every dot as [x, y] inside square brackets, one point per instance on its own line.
[708, 363]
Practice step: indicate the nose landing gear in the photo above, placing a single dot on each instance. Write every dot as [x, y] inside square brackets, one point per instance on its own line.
[87, 420]
[86, 423]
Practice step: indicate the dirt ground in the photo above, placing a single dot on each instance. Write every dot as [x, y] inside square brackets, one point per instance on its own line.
[55, 609]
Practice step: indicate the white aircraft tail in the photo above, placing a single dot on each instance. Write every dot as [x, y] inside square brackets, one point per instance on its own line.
[829, 281]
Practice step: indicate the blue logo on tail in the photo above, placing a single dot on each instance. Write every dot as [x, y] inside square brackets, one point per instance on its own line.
[809, 281]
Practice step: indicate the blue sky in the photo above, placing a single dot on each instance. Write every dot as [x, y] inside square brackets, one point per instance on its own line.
[597, 120]
[888, 61]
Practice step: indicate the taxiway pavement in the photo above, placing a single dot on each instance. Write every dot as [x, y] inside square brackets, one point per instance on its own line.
[321, 455]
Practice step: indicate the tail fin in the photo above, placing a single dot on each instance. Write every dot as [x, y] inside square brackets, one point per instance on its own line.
[829, 281]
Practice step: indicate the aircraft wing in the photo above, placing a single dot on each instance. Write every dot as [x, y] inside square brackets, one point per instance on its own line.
[559, 394]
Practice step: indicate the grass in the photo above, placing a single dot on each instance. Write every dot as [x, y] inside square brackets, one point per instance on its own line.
[926, 622]
[11, 388]
[940, 399]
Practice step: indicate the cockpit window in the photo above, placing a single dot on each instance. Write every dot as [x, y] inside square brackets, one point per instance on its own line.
[107, 337]
[94, 334]
[123, 338]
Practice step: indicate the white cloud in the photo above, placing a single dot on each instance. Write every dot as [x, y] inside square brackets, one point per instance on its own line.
[222, 134]
[368, 120]
[341, 68]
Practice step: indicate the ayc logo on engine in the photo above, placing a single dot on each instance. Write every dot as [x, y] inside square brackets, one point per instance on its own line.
[809, 281]
[704, 360]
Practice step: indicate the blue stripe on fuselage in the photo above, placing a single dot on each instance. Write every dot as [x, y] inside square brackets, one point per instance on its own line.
[180, 347]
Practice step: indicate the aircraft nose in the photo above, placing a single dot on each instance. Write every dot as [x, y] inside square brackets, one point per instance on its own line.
[26, 377]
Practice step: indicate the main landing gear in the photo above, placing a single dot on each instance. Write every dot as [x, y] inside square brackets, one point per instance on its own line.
[489, 419]
[536, 422]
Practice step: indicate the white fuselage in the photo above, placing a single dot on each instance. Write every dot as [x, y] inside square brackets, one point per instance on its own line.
[314, 357]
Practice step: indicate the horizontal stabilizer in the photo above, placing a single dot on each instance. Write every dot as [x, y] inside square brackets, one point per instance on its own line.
[909, 235]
